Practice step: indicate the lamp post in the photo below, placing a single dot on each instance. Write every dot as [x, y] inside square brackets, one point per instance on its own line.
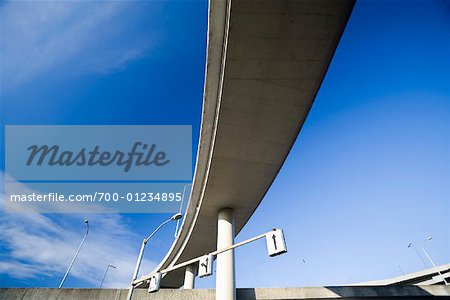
[181, 208]
[106, 272]
[76, 254]
[175, 217]
[429, 258]
[417, 251]
[401, 270]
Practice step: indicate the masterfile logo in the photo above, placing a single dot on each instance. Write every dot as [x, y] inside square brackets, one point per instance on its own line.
[101, 169]
[142, 152]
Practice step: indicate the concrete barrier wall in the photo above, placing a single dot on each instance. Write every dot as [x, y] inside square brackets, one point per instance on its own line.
[397, 292]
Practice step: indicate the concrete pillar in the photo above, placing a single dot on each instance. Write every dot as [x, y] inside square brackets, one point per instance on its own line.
[189, 276]
[225, 282]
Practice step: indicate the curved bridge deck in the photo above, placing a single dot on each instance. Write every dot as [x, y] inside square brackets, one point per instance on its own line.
[265, 63]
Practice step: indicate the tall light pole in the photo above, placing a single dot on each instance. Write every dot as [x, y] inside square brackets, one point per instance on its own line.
[175, 217]
[429, 258]
[106, 272]
[76, 254]
[181, 208]
[417, 251]
[401, 270]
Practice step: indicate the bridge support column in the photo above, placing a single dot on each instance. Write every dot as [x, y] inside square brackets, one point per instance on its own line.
[189, 276]
[225, 283]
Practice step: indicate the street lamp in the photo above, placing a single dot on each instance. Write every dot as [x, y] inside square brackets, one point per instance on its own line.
[429, 258]
[106, 272]
[181, 208]
[76, 254]
[417, 251]
[175, 217]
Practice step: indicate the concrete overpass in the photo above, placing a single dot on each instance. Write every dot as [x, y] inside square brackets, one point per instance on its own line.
[265, 63]
[431, 276]
[354, 293]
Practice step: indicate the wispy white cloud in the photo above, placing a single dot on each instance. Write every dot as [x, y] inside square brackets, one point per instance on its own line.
[38, 245]
[69, 38]
[63, 39]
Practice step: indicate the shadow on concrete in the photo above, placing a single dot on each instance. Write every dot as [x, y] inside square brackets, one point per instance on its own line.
[346, 292]
[381, 292]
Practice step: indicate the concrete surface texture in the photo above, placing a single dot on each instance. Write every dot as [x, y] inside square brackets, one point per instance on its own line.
[397, 292]
[265, 63]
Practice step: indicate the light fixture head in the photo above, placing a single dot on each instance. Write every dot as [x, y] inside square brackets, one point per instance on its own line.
[176, 216]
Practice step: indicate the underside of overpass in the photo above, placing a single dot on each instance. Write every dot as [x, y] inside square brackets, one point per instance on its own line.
[265, 63]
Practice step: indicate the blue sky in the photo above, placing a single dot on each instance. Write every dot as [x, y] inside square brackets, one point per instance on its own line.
[368, 174]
